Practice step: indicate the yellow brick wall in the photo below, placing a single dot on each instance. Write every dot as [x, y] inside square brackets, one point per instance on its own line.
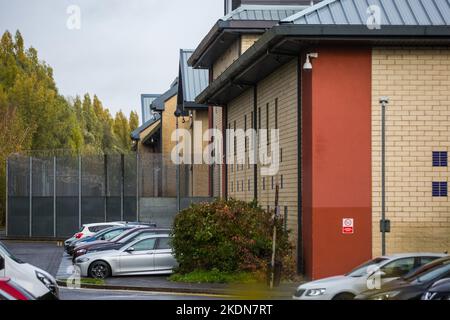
[418, 123]
[200, 172]
[226, 59]
[168, 120]
[281, 85]
[217, 172]
[233, 52]
[247, 40]
[238, 175]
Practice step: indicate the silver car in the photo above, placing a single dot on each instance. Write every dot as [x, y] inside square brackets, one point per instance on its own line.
[149, 255]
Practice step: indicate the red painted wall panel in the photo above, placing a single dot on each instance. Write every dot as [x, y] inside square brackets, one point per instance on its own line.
[337, 160]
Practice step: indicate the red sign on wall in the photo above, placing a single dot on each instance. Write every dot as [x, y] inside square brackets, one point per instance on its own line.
[347, 226]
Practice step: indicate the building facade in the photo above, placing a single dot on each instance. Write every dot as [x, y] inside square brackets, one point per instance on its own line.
[318, 76]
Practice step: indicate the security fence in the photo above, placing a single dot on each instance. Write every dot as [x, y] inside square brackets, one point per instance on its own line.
[52, 197]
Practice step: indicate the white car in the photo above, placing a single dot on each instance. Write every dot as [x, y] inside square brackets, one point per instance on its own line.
[34, 280]
[365, 277]
[92, 228]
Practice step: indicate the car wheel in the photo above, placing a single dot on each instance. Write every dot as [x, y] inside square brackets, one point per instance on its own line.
[344, 296]
[99, 270]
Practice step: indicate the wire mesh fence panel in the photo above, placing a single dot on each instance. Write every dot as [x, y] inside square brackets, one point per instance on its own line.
[67, 196]
[18, 196]
[130, 183]
[113, 187]
[93, 177]
[42, 202]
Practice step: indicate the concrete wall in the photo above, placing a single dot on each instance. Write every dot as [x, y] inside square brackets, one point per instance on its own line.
[417, 80]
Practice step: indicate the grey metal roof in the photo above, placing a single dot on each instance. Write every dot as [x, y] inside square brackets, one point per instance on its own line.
[191, 81]
[158, 104]
[135, 135]
[262, 12]
[393, 13]
[146, 101]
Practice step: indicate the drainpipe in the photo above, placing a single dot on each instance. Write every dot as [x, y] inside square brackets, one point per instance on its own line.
[384, 224]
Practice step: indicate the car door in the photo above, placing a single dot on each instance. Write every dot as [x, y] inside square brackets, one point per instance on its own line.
[2, 266]
[140, 259]
[164, 258]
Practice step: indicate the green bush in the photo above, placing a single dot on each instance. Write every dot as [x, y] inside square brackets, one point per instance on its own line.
[227, 236]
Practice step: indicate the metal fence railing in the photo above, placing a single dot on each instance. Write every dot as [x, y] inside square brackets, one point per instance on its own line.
[51, 197]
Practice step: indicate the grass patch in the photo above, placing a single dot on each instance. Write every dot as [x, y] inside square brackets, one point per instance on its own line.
[89, 281]
[214, 276]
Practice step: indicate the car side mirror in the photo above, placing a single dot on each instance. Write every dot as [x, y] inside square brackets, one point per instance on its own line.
[2, 263]
[130, 250]
[102, 238]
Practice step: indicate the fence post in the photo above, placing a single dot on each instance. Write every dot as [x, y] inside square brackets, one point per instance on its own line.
[122, 185]
[54, 197]
[79, 190]
[105, 203]
[137, 186]
[30, 222]
[6, 202]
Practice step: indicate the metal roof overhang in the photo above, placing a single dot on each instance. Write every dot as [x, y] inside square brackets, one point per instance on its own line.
[221, 37]
[285, 42]
[150, 131]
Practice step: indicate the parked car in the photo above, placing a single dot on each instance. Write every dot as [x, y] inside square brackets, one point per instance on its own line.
[150, 255]
[116, 243]
[91, 229]
[34, 280]
[438, 291]
[9, 290]
[413, 285]
[104, 235]
[346, 287]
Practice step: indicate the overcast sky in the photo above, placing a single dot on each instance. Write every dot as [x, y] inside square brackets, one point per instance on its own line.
[123, 48]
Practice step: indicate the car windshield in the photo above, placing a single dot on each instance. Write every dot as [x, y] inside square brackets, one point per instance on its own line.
[8, 253]
[430, 271]
[99, 234]
[365, 267]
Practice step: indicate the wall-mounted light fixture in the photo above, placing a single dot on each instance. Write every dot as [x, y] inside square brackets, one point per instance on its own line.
[308, 64]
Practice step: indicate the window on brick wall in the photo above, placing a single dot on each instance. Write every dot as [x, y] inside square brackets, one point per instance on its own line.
[272, 182]
[267, 124]
[249, 185]
[440, 189]
[440, 159]
[245, 130]
[264, 184]
[276, 113]
[281, 182]
[285, 217]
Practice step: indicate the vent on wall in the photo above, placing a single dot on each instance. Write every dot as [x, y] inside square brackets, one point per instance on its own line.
[440, 189]
[440, 159]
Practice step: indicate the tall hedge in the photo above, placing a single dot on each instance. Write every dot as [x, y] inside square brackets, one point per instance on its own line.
[227, 235]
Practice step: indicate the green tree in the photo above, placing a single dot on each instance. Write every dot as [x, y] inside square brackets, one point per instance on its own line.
[134, 120]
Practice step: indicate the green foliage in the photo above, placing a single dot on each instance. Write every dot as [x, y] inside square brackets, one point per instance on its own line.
[230, 236]
[34, 116]
[214, 276]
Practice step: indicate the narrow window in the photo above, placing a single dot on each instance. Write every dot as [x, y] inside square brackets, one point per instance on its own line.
[440, 189]
[267, 123]
[235, 139]
[259, 118]
[281, 154]
[249, 185]
[272, 182]
[285, 217]
[245, 129]
[264, 183]
[440, 159]
[282, 182]
[276, 113]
